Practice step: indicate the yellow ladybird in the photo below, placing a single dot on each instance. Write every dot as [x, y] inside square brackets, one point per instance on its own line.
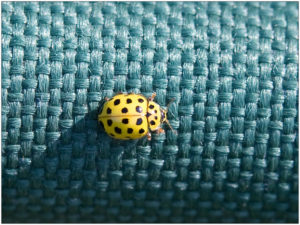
[131, 116]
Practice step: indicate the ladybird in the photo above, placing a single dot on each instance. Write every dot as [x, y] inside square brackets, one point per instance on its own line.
[131, 116]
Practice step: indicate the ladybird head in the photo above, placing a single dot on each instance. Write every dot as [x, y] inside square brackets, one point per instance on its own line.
[163, 115]
[156, 116]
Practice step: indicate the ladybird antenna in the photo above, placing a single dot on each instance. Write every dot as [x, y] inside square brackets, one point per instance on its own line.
[167, 121]
[172, 100]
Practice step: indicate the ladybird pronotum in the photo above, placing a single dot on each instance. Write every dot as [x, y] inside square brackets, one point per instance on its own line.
[131, 116]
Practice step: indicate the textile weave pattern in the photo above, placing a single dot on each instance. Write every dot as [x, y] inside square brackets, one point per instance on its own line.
[232, 68]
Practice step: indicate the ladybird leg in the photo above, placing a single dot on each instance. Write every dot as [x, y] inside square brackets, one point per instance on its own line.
[152, 96]
[149, 136]
[160, 130]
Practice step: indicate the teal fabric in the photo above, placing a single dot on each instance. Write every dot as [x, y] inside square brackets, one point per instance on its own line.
[232, 68]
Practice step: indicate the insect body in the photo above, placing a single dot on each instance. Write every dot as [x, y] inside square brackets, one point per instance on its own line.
[131, 116]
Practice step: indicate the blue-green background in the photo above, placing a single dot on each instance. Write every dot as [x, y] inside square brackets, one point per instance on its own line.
[233, 70]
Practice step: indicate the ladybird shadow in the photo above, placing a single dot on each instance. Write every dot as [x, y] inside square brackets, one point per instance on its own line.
[87, 154]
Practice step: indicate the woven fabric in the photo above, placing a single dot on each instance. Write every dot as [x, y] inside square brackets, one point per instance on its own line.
[233, 71]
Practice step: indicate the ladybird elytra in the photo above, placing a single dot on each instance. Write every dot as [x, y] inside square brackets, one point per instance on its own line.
[131, 116]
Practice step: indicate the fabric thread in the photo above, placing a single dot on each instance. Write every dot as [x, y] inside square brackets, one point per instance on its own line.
[232, 68]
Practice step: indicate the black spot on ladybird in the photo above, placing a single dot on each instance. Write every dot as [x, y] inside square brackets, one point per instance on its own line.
[117, 102]
[139, 121]
[102, 125]
[128, 100]
[156, 117]
[141, 100]
[118, 130]
[152, 122]
[108, 111]
[139, 109]
[125, 121]
[109, 122]
[151, 106]
[141, 131]
[111, 134]
[129, 130]
[148, 114]
[124, 110]
[155, 111]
